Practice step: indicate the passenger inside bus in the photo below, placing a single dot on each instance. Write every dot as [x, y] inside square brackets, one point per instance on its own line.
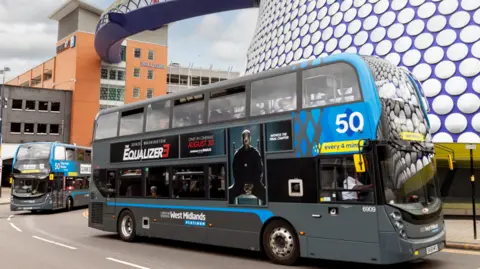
[354, 182]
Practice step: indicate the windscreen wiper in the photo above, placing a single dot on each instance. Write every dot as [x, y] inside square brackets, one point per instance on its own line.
[422, 147]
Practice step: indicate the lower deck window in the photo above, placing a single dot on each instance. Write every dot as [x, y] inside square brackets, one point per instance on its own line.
[130, 183]
[188, 182]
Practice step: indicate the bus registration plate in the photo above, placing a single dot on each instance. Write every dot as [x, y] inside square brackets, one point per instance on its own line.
[432, 249]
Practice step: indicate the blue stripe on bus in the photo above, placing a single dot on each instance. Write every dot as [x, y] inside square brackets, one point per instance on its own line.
[78, 193]
[263, 214]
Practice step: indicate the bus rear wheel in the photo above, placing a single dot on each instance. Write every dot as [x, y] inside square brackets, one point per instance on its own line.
[281, 243]
[126, 226]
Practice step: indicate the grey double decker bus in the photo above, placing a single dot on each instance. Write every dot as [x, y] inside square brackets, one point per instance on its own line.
[327, 159]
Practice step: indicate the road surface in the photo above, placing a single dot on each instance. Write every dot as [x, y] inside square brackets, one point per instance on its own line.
[63, 240]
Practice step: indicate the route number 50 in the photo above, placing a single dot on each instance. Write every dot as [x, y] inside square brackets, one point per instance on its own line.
[344, 122]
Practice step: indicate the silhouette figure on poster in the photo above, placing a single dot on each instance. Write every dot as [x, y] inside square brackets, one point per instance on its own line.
[248, 173]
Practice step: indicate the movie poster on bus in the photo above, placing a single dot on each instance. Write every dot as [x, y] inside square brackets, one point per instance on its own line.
[279, 136]
[144, 150]
[246, 155]
[209, 143]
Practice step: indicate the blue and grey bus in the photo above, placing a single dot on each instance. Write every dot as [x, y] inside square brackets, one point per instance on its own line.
[327, 159]
[50, 176]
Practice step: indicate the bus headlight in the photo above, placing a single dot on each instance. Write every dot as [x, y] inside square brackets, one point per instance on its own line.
[396, 215]
[399, 225]
[403, 233]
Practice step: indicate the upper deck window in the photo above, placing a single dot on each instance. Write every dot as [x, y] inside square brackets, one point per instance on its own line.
[158, 116]
[34, 151]
[107, 126]
[60, 153]
[227, 104]
[274, 95]
[331, 84]
[131, 122]
[188, 111]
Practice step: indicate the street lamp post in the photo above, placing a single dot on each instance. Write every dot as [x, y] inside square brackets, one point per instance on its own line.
[2, 72]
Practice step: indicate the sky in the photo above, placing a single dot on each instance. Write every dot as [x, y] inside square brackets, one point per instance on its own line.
[28, 37]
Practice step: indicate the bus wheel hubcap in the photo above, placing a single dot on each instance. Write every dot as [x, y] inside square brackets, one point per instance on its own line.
[281, 242]
[127, 226]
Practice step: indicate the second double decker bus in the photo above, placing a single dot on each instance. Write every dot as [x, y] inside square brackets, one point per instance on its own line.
[329, 159]
[50, 176]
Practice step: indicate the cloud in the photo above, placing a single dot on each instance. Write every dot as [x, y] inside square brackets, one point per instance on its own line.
[27, 35]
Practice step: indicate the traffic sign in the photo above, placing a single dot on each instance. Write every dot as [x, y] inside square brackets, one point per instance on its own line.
[471, 146]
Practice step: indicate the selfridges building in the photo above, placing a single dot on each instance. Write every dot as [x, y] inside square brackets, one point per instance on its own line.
[437, 40]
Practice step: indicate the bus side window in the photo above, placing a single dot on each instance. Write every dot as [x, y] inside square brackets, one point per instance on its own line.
[188, 182]
[158, 116]
[274, 95]
[340, 181]
[70, 154]
[88, 155]
[80, 154]
[158, 182]
[330, 84]
[216, 179]
[130, 183]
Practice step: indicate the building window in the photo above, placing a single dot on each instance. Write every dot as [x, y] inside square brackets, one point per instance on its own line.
[103, 93]
[41, 128]
[104, 73]
[17, 104]
[54, 129]
[30, 105]
[15, 127]
[55, 107]
[138, 53]
[43, 106]
[122, 53]
[149, 93]
[29, 128]
[121, 75]
[150, 74]
[136, 92]
[112, 74]
[151, 55]
[136, 72]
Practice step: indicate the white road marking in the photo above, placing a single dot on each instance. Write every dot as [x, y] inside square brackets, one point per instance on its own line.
[461, 251]
[15, 227]
[10, 217]
[127, 263]
[52, 242]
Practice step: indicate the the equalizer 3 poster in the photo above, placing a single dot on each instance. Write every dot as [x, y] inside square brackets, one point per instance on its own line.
[247, 185]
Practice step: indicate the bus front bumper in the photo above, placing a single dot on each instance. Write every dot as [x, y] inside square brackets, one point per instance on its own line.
[414, 249]
[22, 205]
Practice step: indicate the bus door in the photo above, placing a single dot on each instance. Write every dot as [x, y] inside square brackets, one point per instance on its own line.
[112, 190]
[346, 211]
[58, 192]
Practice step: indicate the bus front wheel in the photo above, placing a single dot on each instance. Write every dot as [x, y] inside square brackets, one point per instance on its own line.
[281, 243]
[126, 226]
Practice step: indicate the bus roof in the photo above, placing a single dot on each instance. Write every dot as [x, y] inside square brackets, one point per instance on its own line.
[231, 82]
[56, 143]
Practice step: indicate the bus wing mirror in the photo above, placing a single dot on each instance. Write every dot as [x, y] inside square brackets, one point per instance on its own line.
[359, 163]
[450, 161]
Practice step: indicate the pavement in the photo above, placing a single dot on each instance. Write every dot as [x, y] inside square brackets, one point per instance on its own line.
[59, 239]
[5, 198]
[460, 234]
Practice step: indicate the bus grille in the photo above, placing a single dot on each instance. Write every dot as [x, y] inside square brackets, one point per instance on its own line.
[96, 213]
